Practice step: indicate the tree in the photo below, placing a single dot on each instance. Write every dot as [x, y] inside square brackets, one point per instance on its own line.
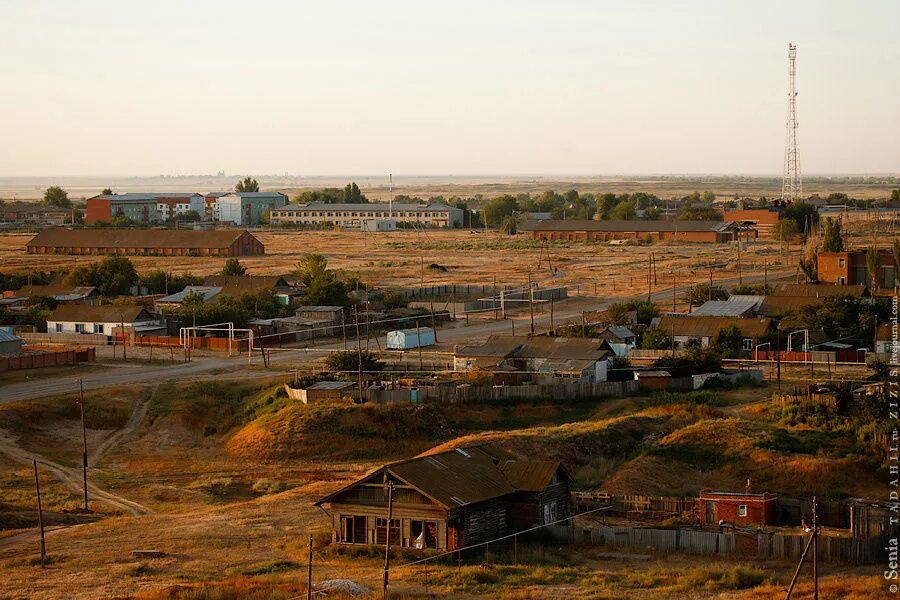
[804, 214]
[895, 249]
[326, 290]
[623, 211]
[189, 215]
[872, 266]
[699, 213]
[809, 266]
[352, 195]
[247, 184]
[729, 342]
[699, 293]
[656, 339]
[106, 192]
[393, 300]
[310, 267]
[832, 241]
[56, 196]
[39, 308]
[112, 276]
[351, 360]
[786, 230]
[233, 266]
[497, 208]
[895, 196]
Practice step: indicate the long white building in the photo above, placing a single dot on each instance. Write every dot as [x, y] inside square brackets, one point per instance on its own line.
[352, 215]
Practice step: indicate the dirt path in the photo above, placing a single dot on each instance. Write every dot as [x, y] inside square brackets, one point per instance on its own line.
[72, 477]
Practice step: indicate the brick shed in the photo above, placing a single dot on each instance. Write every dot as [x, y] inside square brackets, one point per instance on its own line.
[738, 508]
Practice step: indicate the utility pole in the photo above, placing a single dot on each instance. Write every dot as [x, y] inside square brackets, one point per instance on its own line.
[309, 572]
[740, 273]
[531, 302]
[673, 291]
[552, 328]
[84, 456]
[37, 486]
[815, 548]
[387, 541]
[419, 345]
[358, 352]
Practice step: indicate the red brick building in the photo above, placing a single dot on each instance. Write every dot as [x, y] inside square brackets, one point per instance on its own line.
[849, 268]
[736, 508]
[688, 231]
[761, 220]
[154, 242]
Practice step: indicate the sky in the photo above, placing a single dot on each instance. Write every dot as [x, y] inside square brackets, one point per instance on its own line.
[445, 87]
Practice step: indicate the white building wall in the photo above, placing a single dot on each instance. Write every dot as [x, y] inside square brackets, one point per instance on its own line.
[88, 327]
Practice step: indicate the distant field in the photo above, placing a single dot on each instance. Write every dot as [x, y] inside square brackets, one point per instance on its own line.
[376, 188]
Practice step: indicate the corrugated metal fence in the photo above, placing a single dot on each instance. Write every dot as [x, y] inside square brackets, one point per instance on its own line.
[660, 540]
[831, 549]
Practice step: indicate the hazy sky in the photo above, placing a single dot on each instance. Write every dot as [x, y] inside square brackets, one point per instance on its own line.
[445, 87]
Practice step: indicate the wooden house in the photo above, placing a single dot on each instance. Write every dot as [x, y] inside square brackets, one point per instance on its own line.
[450, 500]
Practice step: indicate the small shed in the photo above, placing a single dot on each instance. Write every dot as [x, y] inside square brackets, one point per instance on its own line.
[737, 508]
[322, 391]
[653, 380]
[404, 339]
[10, 343]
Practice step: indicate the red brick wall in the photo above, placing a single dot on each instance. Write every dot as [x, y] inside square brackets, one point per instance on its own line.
[759, 511]
[687, 236]
[98, 209]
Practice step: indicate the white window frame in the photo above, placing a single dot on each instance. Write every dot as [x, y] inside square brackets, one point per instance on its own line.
[742, 510]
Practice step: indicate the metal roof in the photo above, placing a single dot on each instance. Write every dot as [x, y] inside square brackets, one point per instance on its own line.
[331, 385]
[689, 326]
[254, 195]
[208, 292]
[369, 207]
[646, 226]
[246, 282]
[463, 476]
[145, 196]
[6, 336]
[105, 313]
[725, 308]
[136, 238]
[58, 291]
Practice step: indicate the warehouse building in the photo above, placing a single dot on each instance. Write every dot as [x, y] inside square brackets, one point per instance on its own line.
[154, 242]
[247, 208]
[687, 231]
[353, 215]
[762, 221]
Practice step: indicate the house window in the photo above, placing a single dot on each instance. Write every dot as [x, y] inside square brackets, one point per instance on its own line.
[841, 281]
[79, 327]
[98, 328]
[381, 533]
[59, 328]
[423, 534]
[842, 263]
[748, 344]
[742, 510]
[550, 512]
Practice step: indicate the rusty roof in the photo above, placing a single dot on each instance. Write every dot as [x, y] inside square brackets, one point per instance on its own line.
[464, 476]
[104, 313]
[136, 238]
[818, 290]
[560, 348]
[246, 282]
[688, 326]
[500, 346]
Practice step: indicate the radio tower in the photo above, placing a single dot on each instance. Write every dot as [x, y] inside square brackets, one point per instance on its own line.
[792, 183]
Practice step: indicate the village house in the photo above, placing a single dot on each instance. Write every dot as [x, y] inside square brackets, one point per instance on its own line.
[620, 339]
[10, 343]
[323, 391]
[885, 341]
[735, 306]
[687, 231]
[704, 329]
[64, 294]
[235, 285]
[36, 214]
[152, 242]
[105, 319]
[586, 360]
[204, 293]
[849, 268]
[736, 508]
[762, 221]
[450, 500]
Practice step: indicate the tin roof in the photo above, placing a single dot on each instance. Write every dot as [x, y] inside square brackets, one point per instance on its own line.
[144, 196]
[369, 207]
[136, 238]
[208, 293]
[246, 282]
[725, 308]
[646, 226]
[59, 291]
[8, 336]
[105, 313]
[331, 385]
[688, 326]
[463, 476]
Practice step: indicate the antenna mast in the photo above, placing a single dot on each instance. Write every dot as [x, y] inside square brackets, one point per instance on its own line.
[792, 182]
[391, 197]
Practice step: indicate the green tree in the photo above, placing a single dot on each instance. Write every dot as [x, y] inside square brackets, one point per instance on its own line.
[729, 342]
[786, 230]
[656, 339]
[311, 267]
[189, 215]
[699, 293]
[106, 192]
[832, 240]
[393, 300]
[699, 213]
[623, 211]
[56, 196]
[498, 208]
[804, 214]
[872, 266]
[112, 276]
[895, 196]
[326, 290]
[352, 194]
[353, 361]
[233, 266]
[809, 266]
[247, 184]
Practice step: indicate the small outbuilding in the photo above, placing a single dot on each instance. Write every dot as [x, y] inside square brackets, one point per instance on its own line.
[736, 508]
[404, 339]
[10, 343]
[322, 391]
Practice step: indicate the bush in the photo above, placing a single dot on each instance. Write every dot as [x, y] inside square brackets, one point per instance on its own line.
[393, 300]
[349, 360]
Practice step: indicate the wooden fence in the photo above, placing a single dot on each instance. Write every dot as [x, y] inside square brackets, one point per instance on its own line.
[487, 393]
[82, 339]
[854, 550]
[660, 540]
[39, 360]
